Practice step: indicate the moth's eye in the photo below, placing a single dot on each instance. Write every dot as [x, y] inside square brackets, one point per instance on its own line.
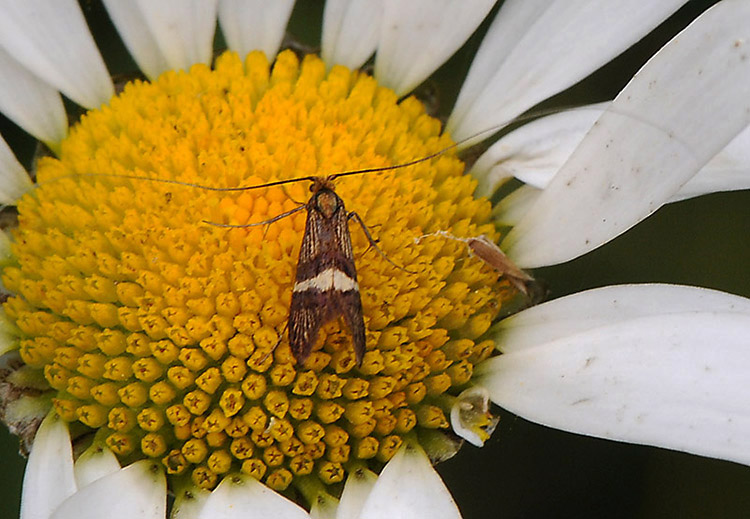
[312, 187]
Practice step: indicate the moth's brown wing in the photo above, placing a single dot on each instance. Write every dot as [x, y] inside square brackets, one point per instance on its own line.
[326, 279]
[350, 306]
[313, 309]
[309, 311]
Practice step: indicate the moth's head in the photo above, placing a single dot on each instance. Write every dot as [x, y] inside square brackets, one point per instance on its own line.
[320, 183]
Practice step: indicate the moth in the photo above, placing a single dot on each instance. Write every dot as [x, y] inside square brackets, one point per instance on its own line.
[326, 285]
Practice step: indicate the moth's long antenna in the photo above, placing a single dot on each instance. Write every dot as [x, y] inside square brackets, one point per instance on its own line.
[491, 129]
[179, 182]
[420, 159]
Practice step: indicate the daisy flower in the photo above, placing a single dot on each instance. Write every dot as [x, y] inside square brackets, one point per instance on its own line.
[145, 332]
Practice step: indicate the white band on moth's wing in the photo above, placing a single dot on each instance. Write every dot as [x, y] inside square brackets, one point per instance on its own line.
[329, 279]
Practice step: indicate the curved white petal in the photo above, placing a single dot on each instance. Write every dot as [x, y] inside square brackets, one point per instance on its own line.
[95, 463]
[409, 487]
[51, 39]
[30, 102]
[324, 507]
[244, 497]
[687, 103]
[351, 29]
[536, 48]
[14, 181]
[48, 480]
[138, 490]
[189, 502]
[183, 29]
[516, 205]
[359, 484]
[729, 170]
[585, 311]
[534, 152]
[136, 34]
[250, 25]
[418, 36]
[677, 381]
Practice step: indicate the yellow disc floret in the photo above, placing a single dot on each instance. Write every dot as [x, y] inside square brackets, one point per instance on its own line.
[166, 333]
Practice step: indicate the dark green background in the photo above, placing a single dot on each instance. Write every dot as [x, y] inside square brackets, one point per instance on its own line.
[526, 470]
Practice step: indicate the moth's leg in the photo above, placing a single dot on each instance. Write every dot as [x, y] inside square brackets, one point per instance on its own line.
[256, 224]
[373, 242]
[278, 341]
[283, 188]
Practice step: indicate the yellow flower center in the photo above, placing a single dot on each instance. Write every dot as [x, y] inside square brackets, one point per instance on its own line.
[168, 335]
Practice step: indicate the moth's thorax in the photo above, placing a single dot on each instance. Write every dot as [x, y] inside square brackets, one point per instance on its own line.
[327, 202]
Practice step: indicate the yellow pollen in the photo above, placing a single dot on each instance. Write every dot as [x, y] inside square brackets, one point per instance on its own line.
[169, 335]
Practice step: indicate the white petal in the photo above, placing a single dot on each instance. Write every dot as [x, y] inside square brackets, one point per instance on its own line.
[729, 170]
[30, 102]
[14, 181]
[50, 38]
[536, 151]
[95, 463]
[687, 103]
[324, 507]
[189, 502]
[254, 24]
[139, 490]
[351, 29]
[516, 205]
[677, 381]
[409, 487]
[183, 29]
[536, 48]
[48, 480]
[136, 34]
[420, 35]
[241, 496]
[585, 311]
[359, 484]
